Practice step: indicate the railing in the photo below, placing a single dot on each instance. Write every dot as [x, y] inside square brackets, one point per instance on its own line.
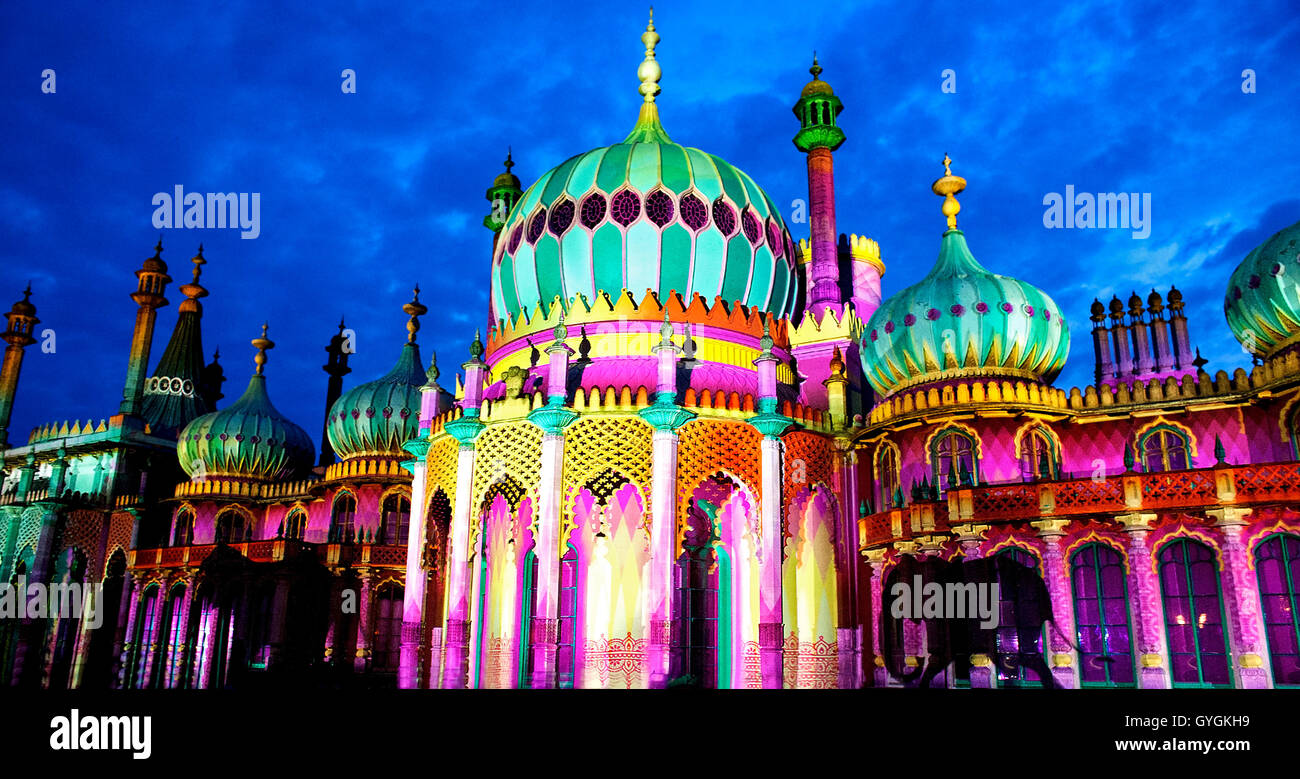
[1225, 485]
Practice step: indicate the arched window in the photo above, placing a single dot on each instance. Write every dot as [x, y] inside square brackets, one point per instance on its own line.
[387, 640]
[172, 672]
[1038, 457]
[1101, 616]
[342, 530]
[1189, 587]
[232, 528]
[184, 535]
[953, 455]
[395, 519]
[295, 525]
[1277, 564]
[147, 615]
[1164, 448]
[566, 651]
[891, 495]
[1012, 645]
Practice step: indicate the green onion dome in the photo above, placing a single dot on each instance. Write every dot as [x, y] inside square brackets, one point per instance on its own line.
[963, 320]
[643, 214]
[374, 419]
[1262, 303]
[247, 441]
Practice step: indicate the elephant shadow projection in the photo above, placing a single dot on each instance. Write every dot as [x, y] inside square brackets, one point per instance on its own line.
[963, 606]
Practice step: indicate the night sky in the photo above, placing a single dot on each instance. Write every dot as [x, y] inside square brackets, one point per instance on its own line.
[363, 195]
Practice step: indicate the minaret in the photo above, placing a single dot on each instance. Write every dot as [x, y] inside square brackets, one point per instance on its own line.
[1120, 340]
[1104, 363]
[1143, 364]
[213, 378]
[336, 366]
[1178, 323]
[818, 137]
[1164, 354]
[503, 194]
[173, 394]
[152, 282]
[18, 335]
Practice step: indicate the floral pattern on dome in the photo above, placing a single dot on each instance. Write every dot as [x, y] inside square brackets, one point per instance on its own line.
[625, 207]
[694, 213]
[561, 216]
[593, 210]
[536, 226]
[659, 207]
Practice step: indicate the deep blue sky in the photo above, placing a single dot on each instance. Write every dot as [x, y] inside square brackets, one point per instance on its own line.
[365, 194]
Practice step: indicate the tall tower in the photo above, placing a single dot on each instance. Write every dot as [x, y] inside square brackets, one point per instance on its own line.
[336, 366]
[173, 394]
[18, 335]
[818, 137]
[152, 281]
[503, 194]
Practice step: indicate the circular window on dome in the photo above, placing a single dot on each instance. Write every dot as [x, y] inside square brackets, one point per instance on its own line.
[750, 224]
[659, 207]
[176, 385]
[625, 207]
[187, 387]
[774, 238]
[536, 226]
[562, 216]
[153, 385]
[593, 210]
[694, 213]
[724, 217]
[515, 236]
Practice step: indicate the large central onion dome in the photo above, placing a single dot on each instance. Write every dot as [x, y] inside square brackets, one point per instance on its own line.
[1262, 303]
[644, 214]
[248, 441]
[963, 320]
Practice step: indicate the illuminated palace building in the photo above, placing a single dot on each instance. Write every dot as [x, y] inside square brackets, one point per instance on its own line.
[687, 450]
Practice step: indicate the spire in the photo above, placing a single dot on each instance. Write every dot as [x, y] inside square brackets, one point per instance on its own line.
[947, 187]
[666, 331]
[432, 374]
[415, 309]
[476, 347]
[816, 69]
[561, 332]
[263, 344]
[503, 194]
[179, 390]
[648, 129]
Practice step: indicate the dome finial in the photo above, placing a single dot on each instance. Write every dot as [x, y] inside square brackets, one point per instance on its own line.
[415, 309]
[815, 70]
[948, 186]
[510, 162]
[648, 129]
[263, 344]
[649, 72]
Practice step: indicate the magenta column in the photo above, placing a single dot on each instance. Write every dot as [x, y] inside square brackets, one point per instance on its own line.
[1241, 588]
[545, 628]
[876, 557]
[361, 663]
[981, 665]
[1062, 657]
[128, 642]
[1147, 608]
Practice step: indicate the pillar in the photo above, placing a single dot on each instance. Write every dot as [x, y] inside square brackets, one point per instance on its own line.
[361, 663]
[771, 630]
[456, 636]
[982, 674]
[544, 633]
[1241, 592]
[279, 615]
[408, 671]
[1062, 658]
[1147, 608]
[876, 558]
[134, 588]
[1144, 361]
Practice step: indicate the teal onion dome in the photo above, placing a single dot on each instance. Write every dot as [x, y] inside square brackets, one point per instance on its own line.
[644, 214]
[963, 320]
[247, 441]
[374, 419]
[1262, 303]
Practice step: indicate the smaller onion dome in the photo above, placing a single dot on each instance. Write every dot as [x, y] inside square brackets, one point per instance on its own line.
[247, 441]
[1098, 311]
[962, 320]
[1262, 302]
[24, 307]
[1154, 301]
[374, 419]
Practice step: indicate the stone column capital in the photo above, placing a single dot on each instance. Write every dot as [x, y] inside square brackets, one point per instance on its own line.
[1136, 521]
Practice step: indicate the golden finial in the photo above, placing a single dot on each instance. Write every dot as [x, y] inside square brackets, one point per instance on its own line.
[262, 344]
[948, 186]
[815, 70]
[649, 72]
[415, 309]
